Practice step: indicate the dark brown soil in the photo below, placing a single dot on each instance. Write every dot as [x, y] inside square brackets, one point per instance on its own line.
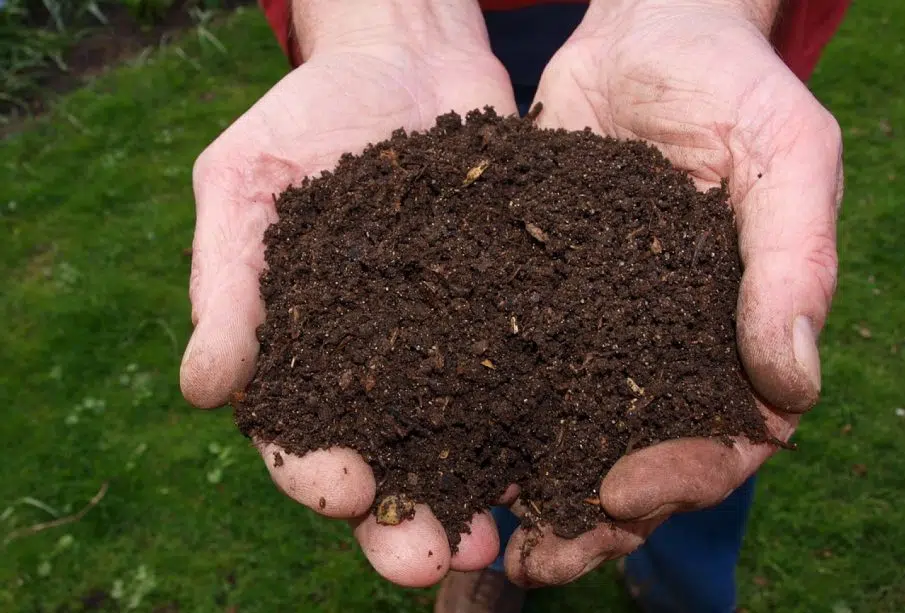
[490, 303]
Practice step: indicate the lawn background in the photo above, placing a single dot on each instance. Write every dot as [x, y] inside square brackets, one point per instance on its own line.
[95, 215]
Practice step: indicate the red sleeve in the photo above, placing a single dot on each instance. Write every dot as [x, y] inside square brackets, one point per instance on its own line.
[802, 31]
[278, 17]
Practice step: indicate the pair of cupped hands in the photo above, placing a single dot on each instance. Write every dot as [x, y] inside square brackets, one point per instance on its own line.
[698, 79]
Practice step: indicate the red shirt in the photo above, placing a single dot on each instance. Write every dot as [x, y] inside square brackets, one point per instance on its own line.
[802, 31]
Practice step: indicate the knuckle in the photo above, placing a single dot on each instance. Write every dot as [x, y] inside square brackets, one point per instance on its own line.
[823, 261]
[830, 127]
[825, 129]
[206, 164]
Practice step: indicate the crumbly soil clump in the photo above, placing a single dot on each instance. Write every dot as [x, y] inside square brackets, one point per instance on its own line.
[489, 303]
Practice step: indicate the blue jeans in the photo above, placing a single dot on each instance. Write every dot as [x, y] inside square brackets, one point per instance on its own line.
[688, 564]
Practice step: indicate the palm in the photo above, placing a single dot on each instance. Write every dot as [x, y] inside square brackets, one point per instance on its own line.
[709, 92]
[331, 105]
[709, 104]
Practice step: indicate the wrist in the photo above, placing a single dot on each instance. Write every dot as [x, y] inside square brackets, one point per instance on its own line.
[760, 14]
[421, 25]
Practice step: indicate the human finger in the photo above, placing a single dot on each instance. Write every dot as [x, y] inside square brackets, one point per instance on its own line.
[685, 474]
[413, 553]
[334, 482]
[788, 188]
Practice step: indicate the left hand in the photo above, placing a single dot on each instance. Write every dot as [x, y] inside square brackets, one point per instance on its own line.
[371, 66]
[700, 81]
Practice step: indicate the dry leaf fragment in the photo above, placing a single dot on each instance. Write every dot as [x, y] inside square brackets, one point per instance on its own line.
[656, 247]
[536, 233]
[636, 389]
[475, 173]
[488, 364]
[513, 324]
[390, 156]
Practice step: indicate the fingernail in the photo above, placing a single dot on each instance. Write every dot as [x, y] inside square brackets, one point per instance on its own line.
[804, 344]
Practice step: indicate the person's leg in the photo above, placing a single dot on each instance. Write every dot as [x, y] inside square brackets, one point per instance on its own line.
[688, 564]
[506, 523]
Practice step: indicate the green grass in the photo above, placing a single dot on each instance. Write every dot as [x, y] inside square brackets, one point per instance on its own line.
[95, 211]
[34, 38]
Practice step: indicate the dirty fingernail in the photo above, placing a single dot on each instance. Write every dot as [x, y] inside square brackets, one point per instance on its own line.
[804, 344]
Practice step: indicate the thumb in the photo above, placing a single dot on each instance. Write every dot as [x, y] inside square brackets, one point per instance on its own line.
[787, 240]
[227, 260]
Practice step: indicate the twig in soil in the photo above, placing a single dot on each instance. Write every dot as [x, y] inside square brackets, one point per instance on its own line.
[62, 521]
[384, 471]
[632, 442]
[698, 248]
[410, 424]
[534, 112]
[409, 182]
[782, 444]
[634, 233]
[634, 408]
[636, 389]
[518, 269]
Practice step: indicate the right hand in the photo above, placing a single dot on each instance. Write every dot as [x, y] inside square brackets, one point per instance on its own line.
[360, 81]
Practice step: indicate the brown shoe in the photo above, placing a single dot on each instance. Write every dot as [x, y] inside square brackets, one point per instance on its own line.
[481, 591]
